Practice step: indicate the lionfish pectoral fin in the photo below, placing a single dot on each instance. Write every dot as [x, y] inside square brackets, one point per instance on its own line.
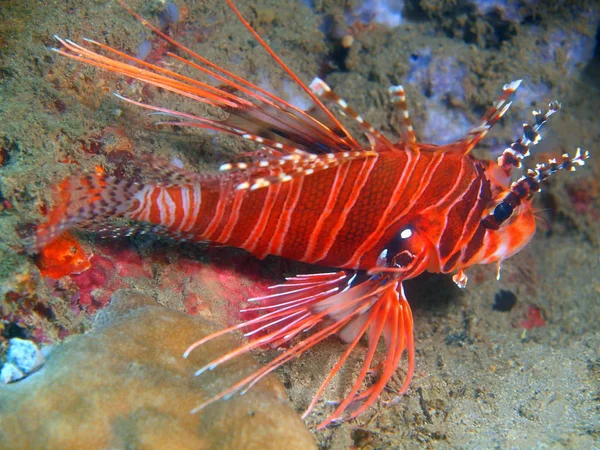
[390, 317]
[341, 303]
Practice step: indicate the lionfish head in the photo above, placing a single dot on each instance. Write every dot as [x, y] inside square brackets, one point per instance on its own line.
[509, 221]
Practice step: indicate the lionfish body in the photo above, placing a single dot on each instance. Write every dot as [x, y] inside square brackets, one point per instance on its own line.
[381, 214]
[341, 217]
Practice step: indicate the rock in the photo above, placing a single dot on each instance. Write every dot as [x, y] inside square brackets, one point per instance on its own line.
[25, 355]
[126, 385]
[10, 373]
[23, 358]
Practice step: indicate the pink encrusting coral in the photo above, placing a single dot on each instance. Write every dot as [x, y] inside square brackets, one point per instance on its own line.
[197, 286]
[534, 318]
[109, 270]
[202, 286]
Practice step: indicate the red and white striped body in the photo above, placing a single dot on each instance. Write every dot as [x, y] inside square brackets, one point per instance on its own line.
[340, 217]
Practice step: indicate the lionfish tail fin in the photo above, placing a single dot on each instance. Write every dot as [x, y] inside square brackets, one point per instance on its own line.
[85, 201]
[345, 304]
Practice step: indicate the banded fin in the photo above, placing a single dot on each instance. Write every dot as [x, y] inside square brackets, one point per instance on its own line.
[85, 200]
[322, 90]
[492, 115]
[343, 303]
[524, 189]
[271, 167]
[398, 99]
[115, 230]
[520, 148]
[162, 172]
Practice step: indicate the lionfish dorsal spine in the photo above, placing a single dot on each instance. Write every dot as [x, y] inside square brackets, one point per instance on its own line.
[492, 115]
[398, 100]
[324, 91]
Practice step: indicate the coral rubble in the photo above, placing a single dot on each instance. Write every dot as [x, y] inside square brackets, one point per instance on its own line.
[22, 359]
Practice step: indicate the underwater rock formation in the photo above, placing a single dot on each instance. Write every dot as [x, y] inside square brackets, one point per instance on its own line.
[22, 359]
[126, 385]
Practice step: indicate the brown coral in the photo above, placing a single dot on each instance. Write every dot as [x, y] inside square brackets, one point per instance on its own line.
[125, 385]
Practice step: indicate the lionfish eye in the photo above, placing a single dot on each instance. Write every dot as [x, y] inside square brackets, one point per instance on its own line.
[395, 246]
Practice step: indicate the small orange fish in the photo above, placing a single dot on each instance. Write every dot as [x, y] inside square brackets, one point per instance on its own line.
[381, 214]
[63, 256]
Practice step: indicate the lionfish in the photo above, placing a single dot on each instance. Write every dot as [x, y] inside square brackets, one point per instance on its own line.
[380, 214]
